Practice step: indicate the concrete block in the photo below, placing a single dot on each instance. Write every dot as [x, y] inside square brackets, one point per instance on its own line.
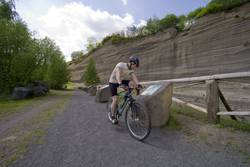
[157, 100]
[103, 94]
[22, 93]
[92, 90]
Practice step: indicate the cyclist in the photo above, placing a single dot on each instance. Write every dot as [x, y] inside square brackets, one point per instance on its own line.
[122, 75]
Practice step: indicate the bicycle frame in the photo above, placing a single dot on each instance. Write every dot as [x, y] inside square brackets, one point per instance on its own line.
[128, 99]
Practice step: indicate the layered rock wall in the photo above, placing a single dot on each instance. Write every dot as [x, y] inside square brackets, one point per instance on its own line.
[215, 44]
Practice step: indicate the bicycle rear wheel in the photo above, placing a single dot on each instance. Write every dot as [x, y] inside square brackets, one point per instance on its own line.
[138, 121]
[108, 107]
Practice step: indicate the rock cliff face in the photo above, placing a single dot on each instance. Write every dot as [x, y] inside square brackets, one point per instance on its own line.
[217, 43]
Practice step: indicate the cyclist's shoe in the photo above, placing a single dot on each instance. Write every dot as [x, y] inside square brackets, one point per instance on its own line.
[114, 120]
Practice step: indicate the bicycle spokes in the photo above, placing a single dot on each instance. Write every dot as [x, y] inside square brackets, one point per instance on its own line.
[138, 121]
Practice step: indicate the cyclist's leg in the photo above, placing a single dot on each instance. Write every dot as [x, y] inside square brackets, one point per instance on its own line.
[113, 88]
[132, 84]
[114, 105]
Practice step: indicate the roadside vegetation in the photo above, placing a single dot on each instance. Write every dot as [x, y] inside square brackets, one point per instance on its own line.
[90, 75]
[23, 58]
[9, 106]
[225, 122]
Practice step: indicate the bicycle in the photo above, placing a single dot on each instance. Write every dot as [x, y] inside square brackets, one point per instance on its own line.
[137, 119]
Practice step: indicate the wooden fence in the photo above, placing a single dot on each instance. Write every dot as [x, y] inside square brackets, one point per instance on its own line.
[213, 94]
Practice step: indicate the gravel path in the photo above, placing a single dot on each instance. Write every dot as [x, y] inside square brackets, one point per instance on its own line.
[26, 113]
[82, 136]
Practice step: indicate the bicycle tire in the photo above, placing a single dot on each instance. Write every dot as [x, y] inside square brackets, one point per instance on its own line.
[108, 107]
[138, 121]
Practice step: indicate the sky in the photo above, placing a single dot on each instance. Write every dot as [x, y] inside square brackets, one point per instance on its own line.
[70, 23]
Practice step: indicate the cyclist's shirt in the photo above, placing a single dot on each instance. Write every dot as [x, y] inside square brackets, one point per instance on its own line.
[125, 72]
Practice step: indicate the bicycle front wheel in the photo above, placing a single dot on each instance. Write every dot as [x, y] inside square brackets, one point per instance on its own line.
[108, 107]
[138, 121]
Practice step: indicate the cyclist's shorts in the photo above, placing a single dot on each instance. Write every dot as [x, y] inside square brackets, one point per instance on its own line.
[114, 86]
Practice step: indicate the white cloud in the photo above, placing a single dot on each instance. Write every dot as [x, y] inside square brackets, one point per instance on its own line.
[72, 24]
[142, 23]
[125, 2]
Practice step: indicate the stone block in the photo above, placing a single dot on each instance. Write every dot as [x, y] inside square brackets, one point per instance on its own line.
[157, 100]
[22, 93]
[39, 90]
[92, 90]
[103, 94]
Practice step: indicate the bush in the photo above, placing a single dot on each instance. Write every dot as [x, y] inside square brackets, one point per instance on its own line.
[90, 75]
[216, 6]
[57, 74]
[181, 22]
[152, 26]
[169, 21]
[193, 14]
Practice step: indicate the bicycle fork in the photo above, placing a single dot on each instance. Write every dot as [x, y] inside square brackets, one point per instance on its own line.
[124, 107]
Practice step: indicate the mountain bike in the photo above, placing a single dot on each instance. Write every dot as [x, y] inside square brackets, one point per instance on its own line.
[137, 119]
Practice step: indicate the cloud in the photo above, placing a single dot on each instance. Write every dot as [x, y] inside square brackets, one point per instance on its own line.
[72, 24]
[141, 24]
[125, 2]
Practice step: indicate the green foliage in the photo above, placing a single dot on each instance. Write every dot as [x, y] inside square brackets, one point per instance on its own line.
[173, 123]
[7, 10]
[15, 64]
[193, 14]
[107, 38]
[24, 59]
[225, 122]
[169, 21]
[181, 22]
[90, 75]
[215, 6]
[226, 4]
[57, 74]
[115, 38]
[152, 26]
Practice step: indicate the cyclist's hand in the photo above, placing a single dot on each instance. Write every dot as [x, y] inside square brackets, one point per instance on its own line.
[139, 86]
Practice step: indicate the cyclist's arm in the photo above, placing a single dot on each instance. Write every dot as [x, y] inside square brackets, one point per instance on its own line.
[134, 79]
[118, 75]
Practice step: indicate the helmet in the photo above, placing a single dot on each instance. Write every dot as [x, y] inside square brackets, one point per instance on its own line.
[134, 60]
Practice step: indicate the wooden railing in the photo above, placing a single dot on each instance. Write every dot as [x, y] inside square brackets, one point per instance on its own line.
[213, 94]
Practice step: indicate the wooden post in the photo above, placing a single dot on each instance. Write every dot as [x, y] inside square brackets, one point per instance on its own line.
[212, 98]
[226, 104]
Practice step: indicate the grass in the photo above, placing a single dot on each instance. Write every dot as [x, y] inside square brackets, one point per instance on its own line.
[9, 106]
[225, 122]
[183, 110]
[70, 86]
[31, 131]
[173, 123]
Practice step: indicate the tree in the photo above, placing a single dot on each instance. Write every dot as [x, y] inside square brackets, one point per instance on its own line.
[91, 44]
[24, 59]
[16, 44]
[76, 55]
[7, 10]
[168, 21]
[57, 74]
[90, 75]
[152, 25]
[181, 22]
